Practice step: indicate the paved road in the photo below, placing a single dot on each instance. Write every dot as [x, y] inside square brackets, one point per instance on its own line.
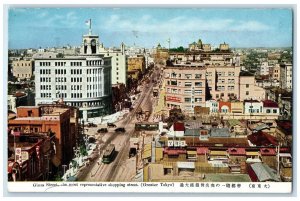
[122, 168]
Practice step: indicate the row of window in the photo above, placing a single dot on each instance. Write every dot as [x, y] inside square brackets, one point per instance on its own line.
[224, 74]
[45, 87]
[222, 95]
[186, 84]
[45, 71]
[224, 81]
[61, 95]
[61, 87]
[76, 79]
[178, 91]
[60, 71]
[46, 95]
[76, 95]
[60, 63]
[76, 71]
[92, 71]
[94, 63]
[45, 79]
[76, 63]
[45, 64]
[93, 79]
[187, 76]
[269, 111]
[94, 94]
[26, 75]
[60, 79]
[188, 100]
[76, 87]
[90, 87]
[82, 104]
[222, 88]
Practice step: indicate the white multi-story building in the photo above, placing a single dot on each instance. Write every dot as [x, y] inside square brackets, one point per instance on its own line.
[264, 68]
[118, 63]
[83, 81]
[286, 75]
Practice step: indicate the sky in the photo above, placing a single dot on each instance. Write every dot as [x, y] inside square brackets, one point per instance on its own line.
[146, 27]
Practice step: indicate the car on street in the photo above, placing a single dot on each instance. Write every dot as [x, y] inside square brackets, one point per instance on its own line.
[102, 130]
[120, 130]
[132, 152]
[111, 125]
[91, 125]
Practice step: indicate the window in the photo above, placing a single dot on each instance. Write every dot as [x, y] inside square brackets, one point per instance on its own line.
[197, 92]
[198, 76]
[268, 111]
[247, 85]
[274, 111]
[197, 100]
[221, 80]
[187, 100]
[230, 88]
[173, 82]
[188, 76]
[188, 84]
[187, 91]
[247, 93]
[198, 84]
[230, 73]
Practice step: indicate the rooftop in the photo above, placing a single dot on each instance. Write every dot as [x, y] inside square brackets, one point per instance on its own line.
[237, 151]
[262, 139]
[264, 172]
[270, 103]
[219, 132]
[246, 73]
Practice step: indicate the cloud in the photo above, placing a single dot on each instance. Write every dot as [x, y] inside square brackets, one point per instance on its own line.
[42, 14]
[178, 24]
[62, 20]
[251, 26]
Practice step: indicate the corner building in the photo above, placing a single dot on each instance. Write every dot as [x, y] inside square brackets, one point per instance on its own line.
[82, 81]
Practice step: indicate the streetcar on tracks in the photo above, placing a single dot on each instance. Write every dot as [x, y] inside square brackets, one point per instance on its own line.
[109, 154]
[146, 126]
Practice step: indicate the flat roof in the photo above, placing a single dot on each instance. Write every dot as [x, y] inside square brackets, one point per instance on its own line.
[186, 165]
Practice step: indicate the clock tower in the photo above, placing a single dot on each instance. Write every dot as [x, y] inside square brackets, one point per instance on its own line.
[90, 43]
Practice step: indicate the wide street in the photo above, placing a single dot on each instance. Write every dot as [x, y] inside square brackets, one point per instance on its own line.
[122, 168]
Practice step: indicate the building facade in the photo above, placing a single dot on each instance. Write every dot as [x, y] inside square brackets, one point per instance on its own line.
[22, 69]
[286, 76]
[82, 81]
[185, 87]
[118, 63]
[60, 120]
[136, 66]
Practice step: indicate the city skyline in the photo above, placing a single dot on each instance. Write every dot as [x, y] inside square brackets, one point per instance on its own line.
[146, 27]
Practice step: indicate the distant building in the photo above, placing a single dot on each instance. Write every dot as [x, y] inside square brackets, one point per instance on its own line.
[248, 89]
[22, 69]
[224, 47]
[136, 66]
[286, 76]
[16, 100]
[276, 72]
[118, 63]
[264, 68]
[44, 55]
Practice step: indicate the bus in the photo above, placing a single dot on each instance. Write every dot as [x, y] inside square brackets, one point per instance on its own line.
[146, 126]
[109, 154]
